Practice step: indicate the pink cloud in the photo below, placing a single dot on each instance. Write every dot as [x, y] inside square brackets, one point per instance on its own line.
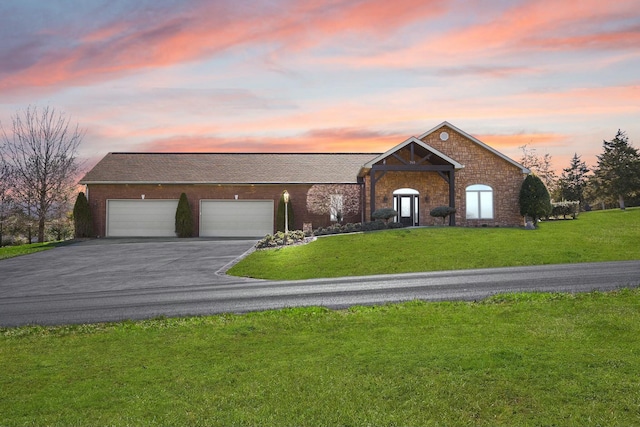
[541, 24]
[318, 140]
[141, 42]
[525, 28]
[516, 140]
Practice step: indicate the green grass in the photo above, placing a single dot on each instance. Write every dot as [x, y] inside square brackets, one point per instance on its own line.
[595, 236]
[13, 251]
[525, 359]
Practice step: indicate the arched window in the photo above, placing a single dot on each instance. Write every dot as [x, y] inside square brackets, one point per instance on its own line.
[479, 202]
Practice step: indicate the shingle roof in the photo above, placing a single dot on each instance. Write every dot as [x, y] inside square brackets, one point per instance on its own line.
[227, 168]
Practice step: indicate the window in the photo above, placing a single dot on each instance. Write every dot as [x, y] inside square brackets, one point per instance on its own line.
[335, 209]
[479, 202]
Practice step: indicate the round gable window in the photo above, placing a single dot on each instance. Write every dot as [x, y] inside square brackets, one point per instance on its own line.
[444, 136]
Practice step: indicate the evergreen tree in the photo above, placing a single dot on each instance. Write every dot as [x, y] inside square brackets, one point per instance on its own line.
[280, 214]
[618, 172]
[535, 201]
[82, 220]
[184, 219]
[574, 180]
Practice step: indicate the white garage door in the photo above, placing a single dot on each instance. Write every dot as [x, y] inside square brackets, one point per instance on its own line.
[236, 218]
[141, 218]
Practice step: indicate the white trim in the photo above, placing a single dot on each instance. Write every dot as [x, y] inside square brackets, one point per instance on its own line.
[406, 191]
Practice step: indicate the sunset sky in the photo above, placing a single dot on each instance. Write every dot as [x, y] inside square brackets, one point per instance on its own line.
[326, 75]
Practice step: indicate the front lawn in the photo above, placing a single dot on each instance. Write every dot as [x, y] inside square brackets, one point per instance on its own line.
[524, 359]
[596, 236]
[13, 251]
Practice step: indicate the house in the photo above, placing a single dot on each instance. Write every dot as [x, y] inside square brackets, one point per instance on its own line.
[237, 194]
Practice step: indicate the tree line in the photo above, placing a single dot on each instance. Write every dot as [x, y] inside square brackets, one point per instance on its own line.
[39, 169]
[613, 182]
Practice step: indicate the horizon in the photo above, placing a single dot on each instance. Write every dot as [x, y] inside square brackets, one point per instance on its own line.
[343, 76]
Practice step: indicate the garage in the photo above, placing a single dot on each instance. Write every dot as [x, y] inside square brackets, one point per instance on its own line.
[236, 218]
[141, 218]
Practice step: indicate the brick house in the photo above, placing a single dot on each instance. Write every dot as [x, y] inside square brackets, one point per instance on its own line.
[237, 194]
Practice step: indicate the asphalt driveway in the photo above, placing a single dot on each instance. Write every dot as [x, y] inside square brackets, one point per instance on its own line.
[121, 264]
[111, 280]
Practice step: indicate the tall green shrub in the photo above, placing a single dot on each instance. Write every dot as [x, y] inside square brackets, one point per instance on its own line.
[280, 215]
[535, 201]
[82, 220]
[184, 219]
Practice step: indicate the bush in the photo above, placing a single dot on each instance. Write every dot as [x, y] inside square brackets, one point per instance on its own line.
[357, 227]
[82, 217]
[184, 219]
[281, 239]
[384, 214]
[564, 208]
[442, 212]
[534, 199]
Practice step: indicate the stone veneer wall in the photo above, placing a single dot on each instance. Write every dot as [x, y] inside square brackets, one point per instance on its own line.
[481, 167]
[434, 191]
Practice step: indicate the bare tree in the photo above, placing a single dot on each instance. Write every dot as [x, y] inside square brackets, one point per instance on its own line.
[42, 156]
[336, 200]
[539, 165]
[5, 193]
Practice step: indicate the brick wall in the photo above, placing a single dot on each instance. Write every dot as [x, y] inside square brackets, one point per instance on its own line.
[98, 195]
[433, 189]
[481, 167]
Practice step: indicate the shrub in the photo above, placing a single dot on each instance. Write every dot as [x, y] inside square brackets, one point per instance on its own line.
[184, 219]
[82, 217]
[384, 214]
[281, 239]
[357, 227]
[534, 199]
[564, 208]
[442, 212]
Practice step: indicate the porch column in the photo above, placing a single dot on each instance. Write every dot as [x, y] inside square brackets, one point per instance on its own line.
[372, 191]
[452, 195]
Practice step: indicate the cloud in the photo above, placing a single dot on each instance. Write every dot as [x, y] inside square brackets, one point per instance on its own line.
[317, 140]
[157, 36]
[520, 139]
[510, 33]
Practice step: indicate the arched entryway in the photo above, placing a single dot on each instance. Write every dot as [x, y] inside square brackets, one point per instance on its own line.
[406, 203]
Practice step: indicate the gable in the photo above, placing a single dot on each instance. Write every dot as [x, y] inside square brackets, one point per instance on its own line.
[462, 146]
[414, 152]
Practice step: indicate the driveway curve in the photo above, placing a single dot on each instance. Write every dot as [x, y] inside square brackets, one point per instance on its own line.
[111, 280]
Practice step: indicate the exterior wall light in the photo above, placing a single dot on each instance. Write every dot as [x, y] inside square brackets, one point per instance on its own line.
[285, 197]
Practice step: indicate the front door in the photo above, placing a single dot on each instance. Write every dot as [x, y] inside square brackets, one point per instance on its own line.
[407, 207]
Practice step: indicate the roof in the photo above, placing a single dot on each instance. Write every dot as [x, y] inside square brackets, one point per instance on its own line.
[415, 140]
[227, 168]
[477, 141]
